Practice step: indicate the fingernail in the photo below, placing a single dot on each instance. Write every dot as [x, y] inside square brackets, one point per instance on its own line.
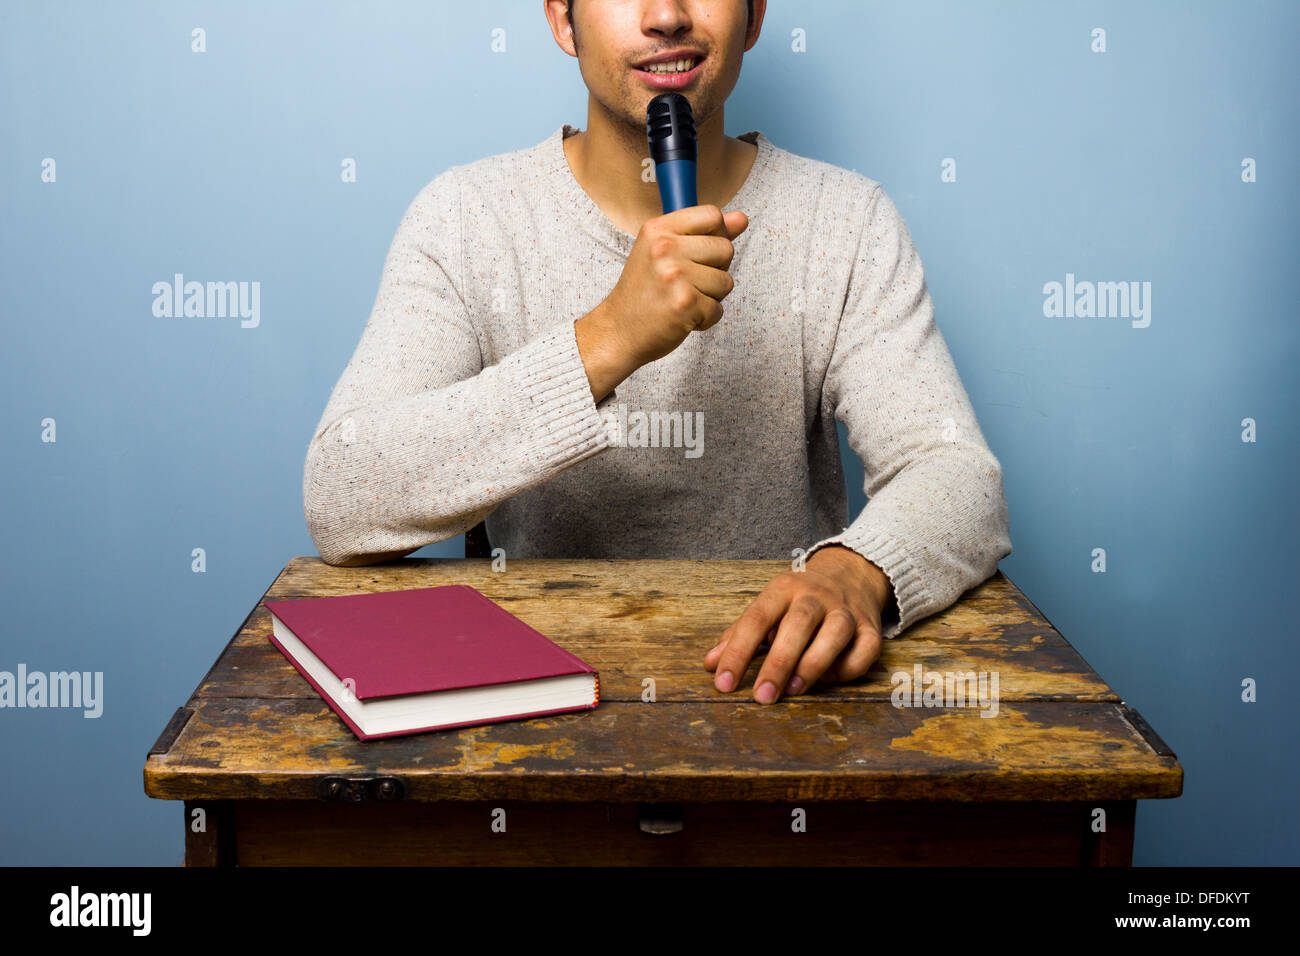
[766, 692]
[725, 681]
[795, 685]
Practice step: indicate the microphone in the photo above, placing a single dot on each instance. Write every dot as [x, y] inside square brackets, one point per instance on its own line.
[670, 130]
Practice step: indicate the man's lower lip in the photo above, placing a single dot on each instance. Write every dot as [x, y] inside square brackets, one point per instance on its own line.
[669, 81]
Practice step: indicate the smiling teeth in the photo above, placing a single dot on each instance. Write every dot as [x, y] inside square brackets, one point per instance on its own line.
[677, 66]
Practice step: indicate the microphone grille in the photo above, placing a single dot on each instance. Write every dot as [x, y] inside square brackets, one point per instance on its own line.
[670, 127]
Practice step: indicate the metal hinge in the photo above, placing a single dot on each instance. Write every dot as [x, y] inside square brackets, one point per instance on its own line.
[362, 789]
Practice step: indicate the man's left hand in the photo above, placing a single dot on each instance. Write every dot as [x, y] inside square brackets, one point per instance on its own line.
[823, 623]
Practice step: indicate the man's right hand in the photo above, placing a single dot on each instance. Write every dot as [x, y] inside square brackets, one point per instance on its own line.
[673, 284]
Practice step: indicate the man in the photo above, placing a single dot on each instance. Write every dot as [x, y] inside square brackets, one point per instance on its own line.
[536, 310]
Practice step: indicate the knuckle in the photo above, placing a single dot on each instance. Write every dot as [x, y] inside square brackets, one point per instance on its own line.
[670, 271]
[799, 616]
[650, 232]
[749, 632]
[806, 604]
[826, 597]
[785, 579]
[732, 660]
[780, 662]
[817, 658]
[661, 246]
[841, 618]
[682, 298]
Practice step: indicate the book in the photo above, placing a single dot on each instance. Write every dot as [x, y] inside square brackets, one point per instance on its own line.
[423, 659]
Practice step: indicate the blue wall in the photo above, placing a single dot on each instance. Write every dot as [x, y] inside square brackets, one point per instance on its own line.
[174, 434]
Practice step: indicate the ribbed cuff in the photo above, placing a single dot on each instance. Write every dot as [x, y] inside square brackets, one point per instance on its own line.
[564, 423]
[892, 557]
[608, 409]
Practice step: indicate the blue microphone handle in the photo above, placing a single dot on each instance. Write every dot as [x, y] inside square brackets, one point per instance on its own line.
[676, 179]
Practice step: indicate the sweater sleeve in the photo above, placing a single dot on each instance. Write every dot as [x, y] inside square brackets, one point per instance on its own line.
[419, 442]
[936, 516]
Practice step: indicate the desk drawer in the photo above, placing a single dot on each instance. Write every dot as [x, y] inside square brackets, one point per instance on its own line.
[297, 833]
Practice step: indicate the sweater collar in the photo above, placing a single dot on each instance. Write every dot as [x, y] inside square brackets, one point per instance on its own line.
[581, 206]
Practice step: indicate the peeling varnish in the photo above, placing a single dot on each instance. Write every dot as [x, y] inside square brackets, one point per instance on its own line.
[1008, 736]
[475, 754]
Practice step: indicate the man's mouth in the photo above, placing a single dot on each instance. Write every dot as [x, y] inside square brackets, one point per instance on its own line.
[671, 74]
[683, 65]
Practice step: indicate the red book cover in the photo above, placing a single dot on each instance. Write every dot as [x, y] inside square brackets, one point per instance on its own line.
[416, 641]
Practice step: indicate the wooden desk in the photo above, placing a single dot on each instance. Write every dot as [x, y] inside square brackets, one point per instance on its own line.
[695, 777]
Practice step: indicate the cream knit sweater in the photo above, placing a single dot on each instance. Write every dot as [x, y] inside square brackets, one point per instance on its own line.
[466, 397]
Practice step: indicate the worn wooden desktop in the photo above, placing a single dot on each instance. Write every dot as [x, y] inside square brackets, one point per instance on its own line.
[694, 777]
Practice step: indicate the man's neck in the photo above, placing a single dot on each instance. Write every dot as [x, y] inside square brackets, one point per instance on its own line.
[608, 159]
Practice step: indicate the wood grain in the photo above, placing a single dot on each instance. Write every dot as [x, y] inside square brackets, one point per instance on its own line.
[816, 750]
[259, 732]
[633, 620]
